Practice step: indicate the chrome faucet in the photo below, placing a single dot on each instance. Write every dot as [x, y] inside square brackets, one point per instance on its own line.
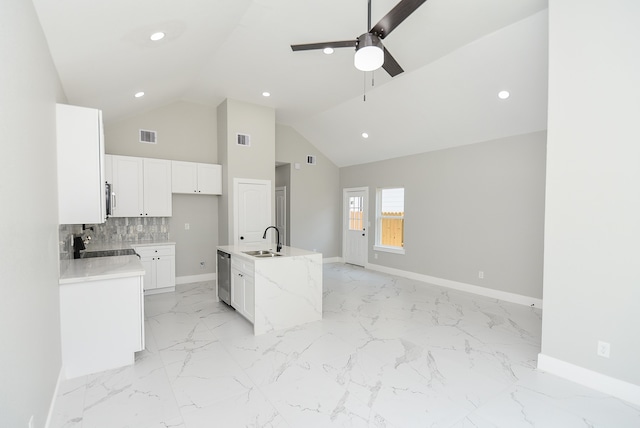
[264, 236]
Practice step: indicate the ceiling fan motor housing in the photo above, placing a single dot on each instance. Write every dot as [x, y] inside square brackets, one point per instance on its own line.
[369, 53]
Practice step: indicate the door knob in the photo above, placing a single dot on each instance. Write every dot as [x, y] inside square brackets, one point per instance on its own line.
[242, 237]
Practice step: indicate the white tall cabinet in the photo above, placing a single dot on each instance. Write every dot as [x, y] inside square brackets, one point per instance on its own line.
[141, 187]
[81, 173]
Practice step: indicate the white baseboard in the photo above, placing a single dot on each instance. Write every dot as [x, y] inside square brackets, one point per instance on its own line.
[52, 405]
[332, 260]
[461, 286]
[188, 279]
[594, 380]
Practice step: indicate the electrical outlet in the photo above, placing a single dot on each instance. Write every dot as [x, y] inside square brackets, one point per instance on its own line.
[375, 256]
[187, 226]
[604, 348]
[481, 274]
[31, 425]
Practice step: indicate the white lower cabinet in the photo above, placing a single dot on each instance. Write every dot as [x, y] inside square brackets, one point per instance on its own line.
[101, 324]
[243, 288]
[159, 263]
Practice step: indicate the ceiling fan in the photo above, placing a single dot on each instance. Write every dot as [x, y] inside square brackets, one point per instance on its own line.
[370, 53]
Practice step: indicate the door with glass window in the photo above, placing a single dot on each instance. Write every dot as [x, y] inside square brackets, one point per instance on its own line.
[355, 226]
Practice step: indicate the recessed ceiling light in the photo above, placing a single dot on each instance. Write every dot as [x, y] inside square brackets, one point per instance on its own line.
[139, 94]
[365, 135]
[266, 94]
[503, 95]
[328, 51]
[157, 36]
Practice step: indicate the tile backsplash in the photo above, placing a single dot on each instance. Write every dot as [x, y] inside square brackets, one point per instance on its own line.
[130, 229]
[114, 230]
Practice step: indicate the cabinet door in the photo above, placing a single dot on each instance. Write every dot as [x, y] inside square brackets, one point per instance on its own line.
[127, 186]
[184, 177]
[165, 276]
[209, 179]
[249, 298]
[149, 277]
[80, 148]
[157, 188]
[237, 290]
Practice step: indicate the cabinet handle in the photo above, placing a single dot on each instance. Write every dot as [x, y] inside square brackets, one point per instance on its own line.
[114, 199]
[199, 191]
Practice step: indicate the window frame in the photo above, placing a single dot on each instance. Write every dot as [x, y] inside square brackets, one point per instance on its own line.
[378, 246]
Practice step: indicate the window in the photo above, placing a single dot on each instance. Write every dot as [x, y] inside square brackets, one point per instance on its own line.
[355, 213]
[390, 220]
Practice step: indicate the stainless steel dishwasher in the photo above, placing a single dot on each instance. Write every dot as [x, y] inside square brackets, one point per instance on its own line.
[224, 277]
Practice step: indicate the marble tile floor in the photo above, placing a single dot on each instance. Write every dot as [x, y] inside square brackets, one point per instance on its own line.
[390, 352]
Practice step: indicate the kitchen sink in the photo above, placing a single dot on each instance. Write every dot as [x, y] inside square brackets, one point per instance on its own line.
[262, 253]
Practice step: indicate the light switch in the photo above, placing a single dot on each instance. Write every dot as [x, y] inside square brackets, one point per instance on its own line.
[186, 226]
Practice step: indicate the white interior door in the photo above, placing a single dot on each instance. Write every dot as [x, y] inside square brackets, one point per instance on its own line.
[281, 213]
[252, 207]
[355, 225]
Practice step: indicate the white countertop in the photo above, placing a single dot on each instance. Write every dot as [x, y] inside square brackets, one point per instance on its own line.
[239, 249]
[98, 268]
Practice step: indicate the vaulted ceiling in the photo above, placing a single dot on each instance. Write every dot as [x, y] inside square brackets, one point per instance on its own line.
[457, 55]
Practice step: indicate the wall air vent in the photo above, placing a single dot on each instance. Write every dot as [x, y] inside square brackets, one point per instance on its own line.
[148, 137]
[311, 159]
[243, 140]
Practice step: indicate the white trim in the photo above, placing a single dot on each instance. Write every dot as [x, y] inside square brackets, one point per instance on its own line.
[332, 260]
[188, 279]
[594, 380]
[394, 250]
[52, 405]
[461, 286]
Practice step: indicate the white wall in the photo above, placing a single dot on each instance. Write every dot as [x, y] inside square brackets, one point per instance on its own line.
[186, 132]
[29, 308]
[314, 195]
[592, 225]
[467, 209]
[256, 161]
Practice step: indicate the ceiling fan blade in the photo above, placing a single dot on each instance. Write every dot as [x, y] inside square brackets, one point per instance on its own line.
[392, 19]
[390, 65]
[312, 46]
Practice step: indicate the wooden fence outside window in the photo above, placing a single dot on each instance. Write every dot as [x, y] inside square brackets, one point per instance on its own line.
[392, 230]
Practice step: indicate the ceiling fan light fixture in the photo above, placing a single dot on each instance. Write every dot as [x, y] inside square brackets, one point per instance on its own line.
[369, 53]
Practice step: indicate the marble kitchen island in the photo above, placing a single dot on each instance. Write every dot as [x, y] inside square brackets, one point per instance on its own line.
[275, 293]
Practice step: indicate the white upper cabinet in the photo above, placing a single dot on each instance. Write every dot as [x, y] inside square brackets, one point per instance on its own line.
[141, 187]
[81, 175]
[199, 178]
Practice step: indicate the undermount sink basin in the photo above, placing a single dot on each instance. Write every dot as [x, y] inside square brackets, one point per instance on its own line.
[262, 253]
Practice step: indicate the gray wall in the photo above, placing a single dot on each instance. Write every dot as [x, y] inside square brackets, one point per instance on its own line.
[314, 195]
[468, 209]
[283, 179]
[592, 279]
[254, 162]
[29, 306]
[186, 132]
